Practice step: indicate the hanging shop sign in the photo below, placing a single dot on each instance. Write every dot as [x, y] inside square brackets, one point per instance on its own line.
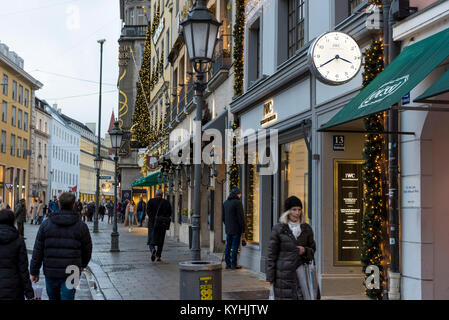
[268, 113]
[153, 162]
[348, 211]
[158, 31]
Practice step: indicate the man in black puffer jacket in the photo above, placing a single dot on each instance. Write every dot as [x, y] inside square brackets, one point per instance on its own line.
[234, 220]
[14, 276]
[62, 241]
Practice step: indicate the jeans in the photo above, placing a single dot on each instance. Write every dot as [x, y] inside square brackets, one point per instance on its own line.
[139, 216]
[232, 242]
[150, 238]
[57, 290]
[131, 218]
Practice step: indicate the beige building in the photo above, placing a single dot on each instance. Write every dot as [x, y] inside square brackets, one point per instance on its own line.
[40, 135]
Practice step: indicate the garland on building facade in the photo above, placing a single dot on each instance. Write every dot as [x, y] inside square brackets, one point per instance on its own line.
[239, 36]
[374, 217]
[249, 234]
[141, 116]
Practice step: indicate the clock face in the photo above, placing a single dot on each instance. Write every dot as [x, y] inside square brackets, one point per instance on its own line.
[335, 57]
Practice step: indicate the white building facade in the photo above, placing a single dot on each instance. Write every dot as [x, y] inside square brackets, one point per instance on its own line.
[64, 155]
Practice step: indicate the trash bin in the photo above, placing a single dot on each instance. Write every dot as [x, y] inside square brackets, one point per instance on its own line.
[200, 280]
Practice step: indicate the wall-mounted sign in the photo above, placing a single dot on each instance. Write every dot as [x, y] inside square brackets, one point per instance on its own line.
[105, 187]
[339, 143]
[158, 31]
[153, 162]
[348, 211]
[405, 99]
[123, 55]
[268, 113]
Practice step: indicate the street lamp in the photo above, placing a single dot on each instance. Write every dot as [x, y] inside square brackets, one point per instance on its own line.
[98, 165]
[98, 161]
[116, 136]
[200, 36]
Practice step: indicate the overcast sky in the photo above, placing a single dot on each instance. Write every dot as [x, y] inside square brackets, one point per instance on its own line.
[58, 41]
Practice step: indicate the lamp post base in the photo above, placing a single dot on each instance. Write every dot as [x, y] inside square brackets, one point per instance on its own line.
[114, 242]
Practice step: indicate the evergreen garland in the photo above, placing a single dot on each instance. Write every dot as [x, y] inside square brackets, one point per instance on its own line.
[141, 116]
[372, 250]
[234, 167]
[239, 35]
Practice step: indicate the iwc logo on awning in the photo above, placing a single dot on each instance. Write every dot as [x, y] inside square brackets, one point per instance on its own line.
[386, 90]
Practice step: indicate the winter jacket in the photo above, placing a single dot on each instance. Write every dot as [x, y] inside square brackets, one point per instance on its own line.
[62, 240]
[53, 206]
[14, 276]
[20, 213]
[283, 258]
[165, 210]
[233, 216]
[40, 210]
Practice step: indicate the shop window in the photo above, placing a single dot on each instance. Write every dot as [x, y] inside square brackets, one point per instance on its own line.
[252, 205]
[293, 174]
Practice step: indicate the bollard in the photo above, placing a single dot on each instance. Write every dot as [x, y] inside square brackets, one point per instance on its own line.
[200, 280]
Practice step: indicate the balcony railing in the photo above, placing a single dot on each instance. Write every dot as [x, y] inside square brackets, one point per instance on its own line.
[174, 108]
[190, 92]
[182, 98]
[134, 31]
[222, 55]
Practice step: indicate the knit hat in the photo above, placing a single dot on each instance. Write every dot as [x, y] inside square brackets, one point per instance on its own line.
[7, 217]
[292, 202]
[236, 191]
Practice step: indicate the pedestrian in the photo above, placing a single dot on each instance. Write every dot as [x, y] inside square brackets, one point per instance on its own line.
[159, 213]
[20, 214]
[123, 210]
[62, 240]
[53, 205]
[84, 212]
[90, 210]
[40, 212]
[291, 245]
[2, 205]
[110, 210]
[101, 211]
[15, 281]
[79, 208]
[141, 208]
[233, 218]
[131, 215]
[33, 210]
[45, 212]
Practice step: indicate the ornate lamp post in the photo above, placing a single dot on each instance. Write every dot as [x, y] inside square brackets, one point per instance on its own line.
[200, 36]
[116, 141]
[98, 161]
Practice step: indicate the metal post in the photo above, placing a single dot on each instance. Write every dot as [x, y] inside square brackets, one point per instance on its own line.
[115, 234]
[394, 276]
[196, 218]
[97, 192]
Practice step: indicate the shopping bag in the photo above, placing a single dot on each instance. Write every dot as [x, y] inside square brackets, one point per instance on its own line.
[271, 296]
[37, 291]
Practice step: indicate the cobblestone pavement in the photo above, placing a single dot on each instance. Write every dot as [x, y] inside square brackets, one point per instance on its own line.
[131, 275]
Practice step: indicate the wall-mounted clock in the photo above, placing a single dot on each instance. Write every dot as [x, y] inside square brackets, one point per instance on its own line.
[335, 57]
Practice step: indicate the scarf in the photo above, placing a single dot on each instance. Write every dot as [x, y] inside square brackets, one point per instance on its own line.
[295, 227]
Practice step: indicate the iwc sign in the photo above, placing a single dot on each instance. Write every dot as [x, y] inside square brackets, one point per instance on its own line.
[268, 113]
[385, 90]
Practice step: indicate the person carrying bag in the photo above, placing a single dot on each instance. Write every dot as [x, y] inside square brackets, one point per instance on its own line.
[159, 213]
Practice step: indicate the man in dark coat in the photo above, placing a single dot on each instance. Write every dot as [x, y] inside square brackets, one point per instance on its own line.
[141, 208]
[63, 240]
[21, 215]
[14, 276]
[233, 218]
[161, 208]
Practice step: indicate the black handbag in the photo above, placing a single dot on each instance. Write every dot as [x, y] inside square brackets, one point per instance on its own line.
[162, 222]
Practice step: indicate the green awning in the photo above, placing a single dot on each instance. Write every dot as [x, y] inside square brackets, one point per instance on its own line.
[439, 87]
[152, 179]
[399, 77]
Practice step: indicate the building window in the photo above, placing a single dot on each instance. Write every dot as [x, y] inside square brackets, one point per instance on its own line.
[296, 14]
[353, 4]
[13, 116]
[20, 94]
[45, 150]
[25, 121]
[140, 16]
[19, 119]
[25, 148]
[3, 144]
[14, 90]
[27, 97]
[4, 111]
[39, 150]
[24, 177]
[13, 144]
[46, 127]
[5, 84]
[167, 49]
[40, 124]
[19, 146]
[254, 48]
[131, 16]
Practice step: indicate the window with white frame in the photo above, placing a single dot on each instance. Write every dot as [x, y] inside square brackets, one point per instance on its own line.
[296, 15]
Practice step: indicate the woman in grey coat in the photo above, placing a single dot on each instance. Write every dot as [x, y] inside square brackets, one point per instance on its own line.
[291, 245]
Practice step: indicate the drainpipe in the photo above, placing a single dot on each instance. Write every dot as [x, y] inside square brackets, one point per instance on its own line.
[391, 50]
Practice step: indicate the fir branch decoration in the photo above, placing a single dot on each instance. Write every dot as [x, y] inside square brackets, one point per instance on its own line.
[239, 37]
[234, 167]
[372, 250]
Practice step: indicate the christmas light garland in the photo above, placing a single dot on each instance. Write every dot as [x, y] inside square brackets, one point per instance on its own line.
[239, 37]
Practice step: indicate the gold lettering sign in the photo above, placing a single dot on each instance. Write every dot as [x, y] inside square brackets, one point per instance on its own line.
[268, 113]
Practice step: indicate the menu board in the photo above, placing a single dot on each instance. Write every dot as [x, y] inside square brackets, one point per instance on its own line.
[348, 211]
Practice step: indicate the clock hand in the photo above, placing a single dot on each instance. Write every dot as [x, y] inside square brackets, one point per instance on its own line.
[328, 61]
[345, 60]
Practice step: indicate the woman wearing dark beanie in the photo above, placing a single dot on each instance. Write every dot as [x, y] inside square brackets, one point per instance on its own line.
[15, 283]
[291, 245]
